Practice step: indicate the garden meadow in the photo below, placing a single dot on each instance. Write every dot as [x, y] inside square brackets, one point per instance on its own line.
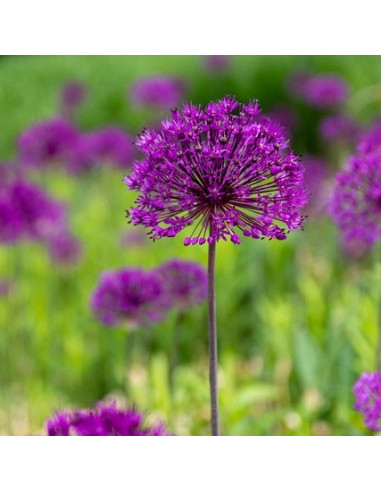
[132, 234]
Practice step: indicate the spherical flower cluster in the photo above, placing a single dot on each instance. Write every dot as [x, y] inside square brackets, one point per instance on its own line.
[103, 420]
[133, 296]
[340, 128]
[219, 170]
[186, 282]
[47, 143]
[356, 201]
[160, 92]
[367, 392]
[27, 212]
[322, 91]
[64, 248]
[110, 145]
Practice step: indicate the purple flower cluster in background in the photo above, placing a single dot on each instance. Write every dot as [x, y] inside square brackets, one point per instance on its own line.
[141, 298]
[103, 420]
[132, 295]
[367, 393]
[110, 145]
[157, 92]
[219, 170]
[321, 91]
[340, 128]
[27, 212]
[356, 201]
[64, 248]
[47, 143]
[59, 143]
[186, 282]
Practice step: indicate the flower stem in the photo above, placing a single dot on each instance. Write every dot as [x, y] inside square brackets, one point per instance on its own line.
[213, 376]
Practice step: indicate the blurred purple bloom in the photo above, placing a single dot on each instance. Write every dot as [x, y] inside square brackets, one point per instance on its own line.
[186, 282]
[217, 63]
[73, 94]
[217, 170]
[322, 91]
[132, 296]
[64, 249]
[47, 143]
[27, 212]
[356, 202]
[161, 91]
[110, 145]
[367, 393]
[103, 420]
[340, 128]
[284, 116]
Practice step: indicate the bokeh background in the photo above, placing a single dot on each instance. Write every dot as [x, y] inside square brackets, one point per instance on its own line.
[297, 319]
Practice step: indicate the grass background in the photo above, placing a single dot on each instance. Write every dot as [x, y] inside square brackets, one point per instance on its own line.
[297, 319]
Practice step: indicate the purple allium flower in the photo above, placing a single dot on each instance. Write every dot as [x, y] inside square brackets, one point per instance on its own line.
[161, 91]
[186, 282]
[367, 392]
[64, 249]
[131, 295]
[340, 128]
[73, 94]
[220, 171]
[356, 202]
[41, 216]
[47, 143]
[217, 63]
[110, 145]
[321, 91]
[103, 420]
[27, 212]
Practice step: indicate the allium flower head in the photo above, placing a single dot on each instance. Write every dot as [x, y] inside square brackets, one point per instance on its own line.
[27, 212]
[356, 202]
[340, 128]
[367, 392]
[161, 91]
[109, 145]
[219, 171]
[47, 143]
[103, 420]
[186, 282]
[322, 91]
[132, 295]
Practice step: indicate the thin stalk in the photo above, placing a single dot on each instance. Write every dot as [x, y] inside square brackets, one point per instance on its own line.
[378, 281]
[213, 367]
